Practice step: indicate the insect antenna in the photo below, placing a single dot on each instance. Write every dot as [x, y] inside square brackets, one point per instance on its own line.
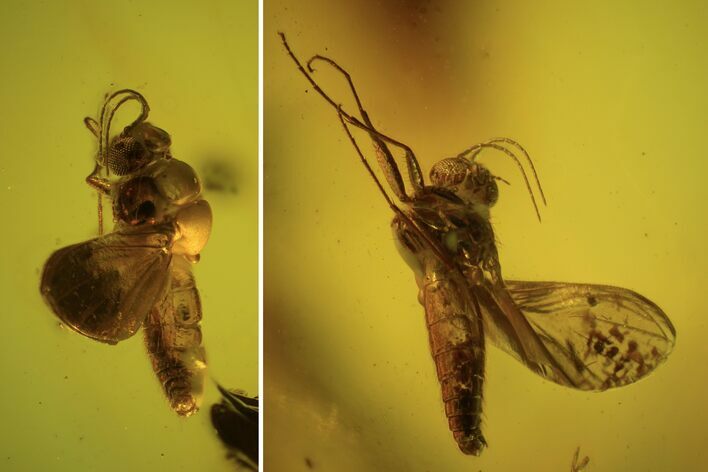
[473, 151]
[93, 126]
[105, 123]
[101, 130]
[501, 179]
[528, 158]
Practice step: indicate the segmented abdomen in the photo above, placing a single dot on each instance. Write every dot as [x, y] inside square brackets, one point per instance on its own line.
[457, 345]
[173, 339]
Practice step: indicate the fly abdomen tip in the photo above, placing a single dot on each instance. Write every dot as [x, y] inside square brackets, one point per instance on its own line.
[184, 405]
[471, 442]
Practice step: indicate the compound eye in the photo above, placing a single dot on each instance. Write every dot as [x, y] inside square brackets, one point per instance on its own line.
[449, 172]
[126, 155]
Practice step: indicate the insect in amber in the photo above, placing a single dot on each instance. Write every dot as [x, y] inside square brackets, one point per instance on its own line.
[583, 336]
[140, 274]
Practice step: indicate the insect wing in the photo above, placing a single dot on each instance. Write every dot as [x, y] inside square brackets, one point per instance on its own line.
[104, 288]
[507, 327]
[599, 336]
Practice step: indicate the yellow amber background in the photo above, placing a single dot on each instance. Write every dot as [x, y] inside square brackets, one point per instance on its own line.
[610, 99]
[68, 403]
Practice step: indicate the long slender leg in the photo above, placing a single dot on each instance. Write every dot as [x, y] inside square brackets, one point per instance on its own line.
[414, 172]
[389, 166]
[102, 187]
[432, 244]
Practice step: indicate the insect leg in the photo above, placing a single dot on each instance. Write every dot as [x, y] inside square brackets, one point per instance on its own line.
[434, 246]
[388, 164]
[456, 339]
[103, 187]
[386, 160]
[173, 339]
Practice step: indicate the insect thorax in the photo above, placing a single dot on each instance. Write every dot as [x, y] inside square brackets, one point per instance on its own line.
[155, 193]
[461, 232]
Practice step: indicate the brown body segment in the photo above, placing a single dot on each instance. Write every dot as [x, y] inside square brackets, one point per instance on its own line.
[173, 340]
[457, 346]
[456, 338]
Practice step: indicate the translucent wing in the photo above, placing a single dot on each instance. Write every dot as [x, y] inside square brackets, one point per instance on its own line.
[595, 336]
[104, 288]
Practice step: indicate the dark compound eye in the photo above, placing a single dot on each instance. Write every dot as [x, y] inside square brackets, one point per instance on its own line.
[126, 155]
[449, 172]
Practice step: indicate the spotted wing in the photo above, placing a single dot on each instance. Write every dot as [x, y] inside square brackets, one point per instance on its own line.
[104, 288]
[595, 336]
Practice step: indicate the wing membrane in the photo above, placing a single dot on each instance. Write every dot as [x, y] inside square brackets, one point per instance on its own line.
[507, 327]
[104, 288]
[599, 336]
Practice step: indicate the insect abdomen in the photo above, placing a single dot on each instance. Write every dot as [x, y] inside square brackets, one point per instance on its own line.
[457, 346]
[173, 338]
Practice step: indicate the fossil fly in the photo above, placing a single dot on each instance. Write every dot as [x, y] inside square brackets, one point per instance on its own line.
[583, 336]
[139, 274]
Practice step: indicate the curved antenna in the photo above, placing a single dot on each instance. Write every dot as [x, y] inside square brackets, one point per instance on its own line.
[501, 179]
[521, 148]
[528, 158]
[475, 150]
[101, 130]
[93, 126]
[105, 123]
